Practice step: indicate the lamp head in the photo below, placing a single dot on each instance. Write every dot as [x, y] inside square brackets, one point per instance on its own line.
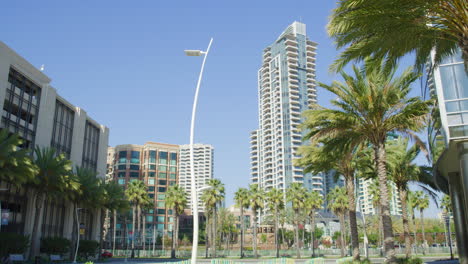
[193, 52]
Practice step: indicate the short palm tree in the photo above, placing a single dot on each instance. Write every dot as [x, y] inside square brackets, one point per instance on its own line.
[53, 180]
[16, 166]
[422, 203]
[275, 201]
[374, 192]
[242, 201]
[338, 204]
[393, 28]
[319, 158]
[257, 201]
[446, 204]
[369, 105]
[176, 198]
[313, 202]
[403, 170]
[213, 197]
[296, 195]
[136, 193]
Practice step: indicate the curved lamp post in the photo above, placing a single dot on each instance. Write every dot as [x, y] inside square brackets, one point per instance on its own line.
[192, 169]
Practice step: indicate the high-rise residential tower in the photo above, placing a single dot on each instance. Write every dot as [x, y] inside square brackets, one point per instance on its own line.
[203, 161]
[286, 87]
[366, 200]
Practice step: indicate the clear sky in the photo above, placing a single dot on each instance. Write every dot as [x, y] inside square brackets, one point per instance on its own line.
[123, 62]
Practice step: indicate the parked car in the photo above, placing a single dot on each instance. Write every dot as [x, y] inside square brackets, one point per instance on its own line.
[106, 254]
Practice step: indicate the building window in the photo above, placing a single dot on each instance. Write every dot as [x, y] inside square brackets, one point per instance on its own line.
[162, 175]
[161, 189]
[151, 189]
[161, 197]
[121, 181]
[149, 218]
[135, 167]
[152, 167]
[162, 182]
[161, 219]
[21, 107]
[135, 157]
[161, 204]
[173, 159]
[122, 167]
[151, 181]
[162, 168]
[121, 174]
[161, 211]
[160, 226]
[122, 156]
[162, 157]
[173, 176]
[151, 174]
[152, 156]
[62, 131]
[90, 146]
[173, 169]
[134, 174]
[172, 183]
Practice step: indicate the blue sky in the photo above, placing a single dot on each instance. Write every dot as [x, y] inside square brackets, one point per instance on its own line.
[123, 62]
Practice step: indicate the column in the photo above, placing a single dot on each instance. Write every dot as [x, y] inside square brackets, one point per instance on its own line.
[459, 216]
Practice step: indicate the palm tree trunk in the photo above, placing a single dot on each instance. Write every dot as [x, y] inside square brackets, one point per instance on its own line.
[424, 242]
[342, 238]
[276, 231]
[144, 232]
[133, 229]
[404, 215]
[282, 233]
[114, 232]
[214, 230]
[242, 233]
[352, 216]
[139, 228]
[176, 228]
[173, 242]
[154, 240]
[254, 238]
[296, 235]
[384, 203]
[207, 234]
[40, 200]
[312, 232]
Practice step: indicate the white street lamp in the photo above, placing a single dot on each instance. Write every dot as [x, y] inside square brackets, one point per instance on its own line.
[192, 169]
[1, 209]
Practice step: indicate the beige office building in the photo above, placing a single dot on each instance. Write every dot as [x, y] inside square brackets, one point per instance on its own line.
[32, 108]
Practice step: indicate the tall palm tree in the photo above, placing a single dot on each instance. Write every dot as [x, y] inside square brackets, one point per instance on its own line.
[393, 28]
[403, 170]
[176, 198]
[16, 166]
[136, 193]
[242, 201]
[275, 201]
[296, 194]
[370, 105]
[257, 202]
[209, 208]
[213, 197]
[52, 181]
[313, 202]
[446, 204]
[422, 203]
[374, 192]
[115, 201]
[318, 158]
[148, 204]
[338, 204]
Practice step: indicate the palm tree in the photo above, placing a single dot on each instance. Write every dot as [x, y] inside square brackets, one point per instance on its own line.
[317, 159]
[213, 197]
[374, 192]
[296, 194]
[275, 201]
[402, 171]
[136, 193]
[115, 201]
[393, 28]
[176, 198]
[446, 204]
[16, 166]
[52, 181]
[338, 203]
[313, 202]
[242, 201]
[370, 105]
[257, 202]
[422, 203]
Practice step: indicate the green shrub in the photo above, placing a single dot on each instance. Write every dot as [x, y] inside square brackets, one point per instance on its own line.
[88, 248]
[12, 243]
[55, 245]
[412, 260]
[89, 262]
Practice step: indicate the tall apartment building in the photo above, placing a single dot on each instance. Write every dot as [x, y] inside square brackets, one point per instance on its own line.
[365, 198]
[286, 87]
[203, 161]
[156, 164]
[32, 108]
